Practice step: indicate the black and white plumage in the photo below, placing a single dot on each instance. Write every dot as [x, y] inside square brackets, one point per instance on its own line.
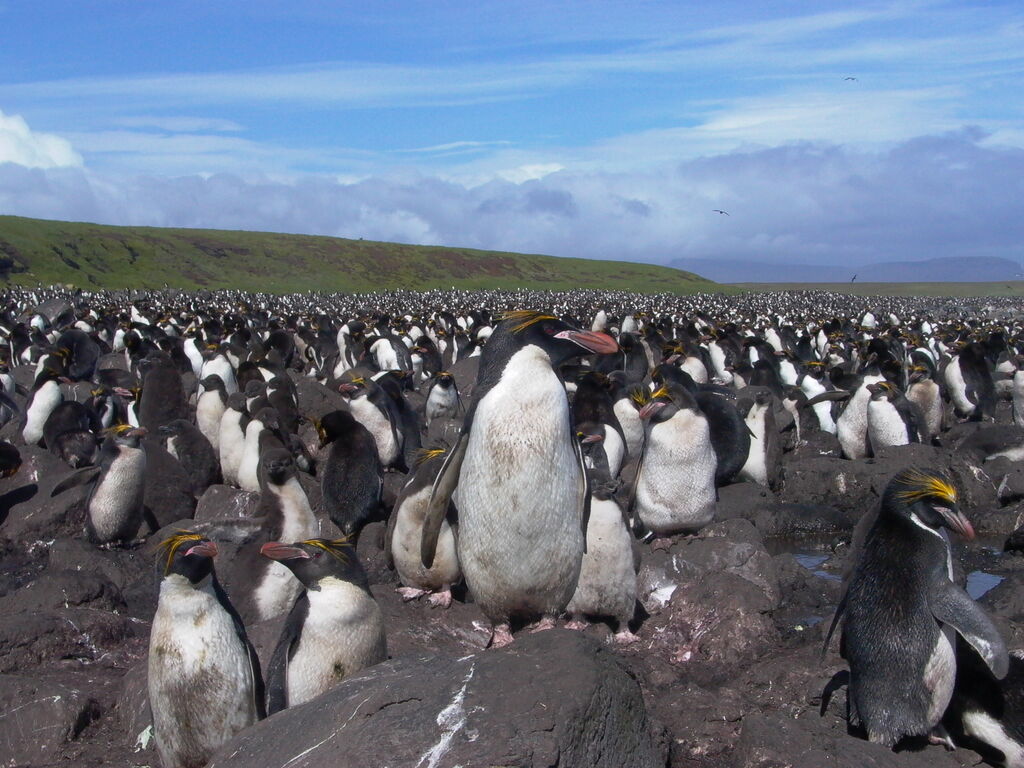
[204, 681]
[334, 629]
[901, 613]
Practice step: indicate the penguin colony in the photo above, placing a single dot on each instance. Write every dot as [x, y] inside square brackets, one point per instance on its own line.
[530, 440]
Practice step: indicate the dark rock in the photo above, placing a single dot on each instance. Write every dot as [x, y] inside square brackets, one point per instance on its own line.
[133, 712]
[39, 716]
[554, 698]
[314, 399]
[31, 638]
[30, 512]
[370, 549]
[222, 502]
[63, 588]
[814, 442]
[1009, 479]
[797, 520]
[744, 500]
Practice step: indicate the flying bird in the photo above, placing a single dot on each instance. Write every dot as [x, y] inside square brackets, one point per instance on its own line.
[849, 78]
[716, 210]
[852, 279]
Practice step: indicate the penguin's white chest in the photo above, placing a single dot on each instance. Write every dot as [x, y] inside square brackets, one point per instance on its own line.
[231, 444]
[632, 427]
[200, 678]
[520, 494]
[852, 425]
[885, 425]
[442, 402]
[46, 398]
[248, 469]
[377, 424]
[342, 634]
[926, 395]
[812, 388]
[405, 546]
[607, 583]
[957, 387]
[116, 501]
[756, 467]
[676, 485]
[278, 589]
[209, 411]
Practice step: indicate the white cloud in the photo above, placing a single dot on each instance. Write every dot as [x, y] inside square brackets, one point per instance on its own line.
[19, 144]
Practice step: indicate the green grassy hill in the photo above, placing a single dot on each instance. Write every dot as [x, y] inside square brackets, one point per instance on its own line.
[98, 256]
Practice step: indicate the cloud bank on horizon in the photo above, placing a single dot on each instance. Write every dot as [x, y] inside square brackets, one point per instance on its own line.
[598, 129]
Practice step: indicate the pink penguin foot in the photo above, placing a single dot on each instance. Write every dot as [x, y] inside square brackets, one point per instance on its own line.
[502, 636]
[441, 599]
[410, 593]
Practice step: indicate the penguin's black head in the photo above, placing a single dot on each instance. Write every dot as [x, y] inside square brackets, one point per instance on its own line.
[927, 498]
[278, 465]
[212, 382]
[333, 425]
[187, 554]
[883, 390]
[353, 388]
[172, 428]
[919, 373]
[316, 559]
[666, 401]
[445, 380]
[556, 337]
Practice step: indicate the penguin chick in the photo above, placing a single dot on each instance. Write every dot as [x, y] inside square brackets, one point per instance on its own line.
[892, 419]
[902, 611]
[405, 536]
[442, 398]
[351, 474]
[335, 627]
[607, 583]
[197, 457]
[675, 481]
[114, 508]
[204, 677]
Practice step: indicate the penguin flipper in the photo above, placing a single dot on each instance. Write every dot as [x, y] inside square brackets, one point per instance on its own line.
[277, 671]
[583, 489]
[831, 395]
[952, 605]
[82, 476]
[389, 535]
[440, 496]
[6, 402]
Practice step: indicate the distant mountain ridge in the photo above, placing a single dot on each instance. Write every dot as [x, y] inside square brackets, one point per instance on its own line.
[941, 270]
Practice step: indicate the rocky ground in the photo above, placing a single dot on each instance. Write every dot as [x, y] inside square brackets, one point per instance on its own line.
[727, 671]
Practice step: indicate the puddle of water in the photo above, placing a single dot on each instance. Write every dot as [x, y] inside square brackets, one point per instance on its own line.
[980, 583]
[810, 560]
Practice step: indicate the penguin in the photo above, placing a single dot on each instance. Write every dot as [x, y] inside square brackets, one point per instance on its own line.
[284, 512]
[163, 394]
[607, 581]
[114, 507]
[925, 393]
[522, 494]
[405, 536]
[443, 400]
[351, 476]
[263, 421]
[592, 404]
[194, 452]
[69, 433]
[231, 437]
[852, 423]
[210, 406]
[675, 481]
[334, 629]
[628, 399]
[371, 405]
[42, 399]
[901, 613]
[204, 679]
[763, 458]
[892, 419]
[969, 383]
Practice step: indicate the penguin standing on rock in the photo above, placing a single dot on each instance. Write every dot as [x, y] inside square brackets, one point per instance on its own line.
[114, 508]
[522, 492]
[442, 398]
[197, 457]
[675, 480]
[405, 537]
[892, 419]
[204, 677]
[334, 629]
[901, 614]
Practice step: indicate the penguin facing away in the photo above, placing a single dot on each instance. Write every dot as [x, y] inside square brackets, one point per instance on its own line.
[522, 494]
[901, 613]
[204, 677]
[334, 629]
[405, 536]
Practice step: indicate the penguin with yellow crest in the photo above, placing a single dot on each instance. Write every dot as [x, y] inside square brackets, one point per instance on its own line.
[204, 677]
[902, 612]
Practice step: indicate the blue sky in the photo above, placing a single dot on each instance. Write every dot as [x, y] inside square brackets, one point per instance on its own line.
[601, 129]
